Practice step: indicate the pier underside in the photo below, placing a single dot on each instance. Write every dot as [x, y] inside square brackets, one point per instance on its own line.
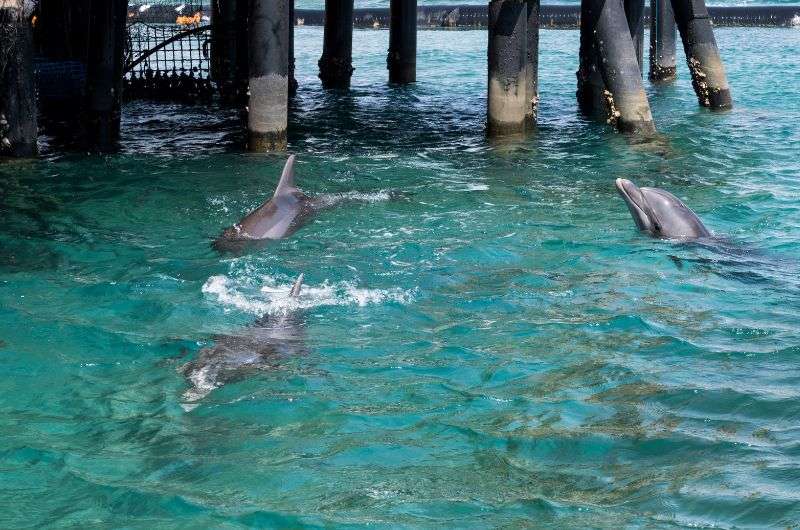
[90, 54]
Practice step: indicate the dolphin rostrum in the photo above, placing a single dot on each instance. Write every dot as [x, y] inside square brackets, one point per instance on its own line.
[660, 213]
[260, 347]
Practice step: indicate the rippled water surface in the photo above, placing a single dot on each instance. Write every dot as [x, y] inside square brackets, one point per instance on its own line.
[484, 340]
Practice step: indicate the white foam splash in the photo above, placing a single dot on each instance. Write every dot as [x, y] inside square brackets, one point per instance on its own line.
[795, 23]
[219, 202]
[378, 196]
[358, 196]
[272, 298]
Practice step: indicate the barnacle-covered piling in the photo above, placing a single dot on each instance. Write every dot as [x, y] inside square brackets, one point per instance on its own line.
[626, 105]
[705, 64]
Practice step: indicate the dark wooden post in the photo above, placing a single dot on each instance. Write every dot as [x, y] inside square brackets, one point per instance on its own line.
[63, 29]
[229, 48]
[508, 44]
[402, 58]
[216, 40]
[336, 63]
[591, 88]
[268, 104]
[532, 62]
[18, 111]
[104, 73]
[662, 41]
[223, 46]
[634, 12]
[626, 106]
[705, 64]
[292, 79]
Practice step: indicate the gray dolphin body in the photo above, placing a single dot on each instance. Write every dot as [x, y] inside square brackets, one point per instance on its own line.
[280, 216]
[659, 213]
[233, 357]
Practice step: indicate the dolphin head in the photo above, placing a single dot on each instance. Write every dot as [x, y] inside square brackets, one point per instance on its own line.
[660, 213]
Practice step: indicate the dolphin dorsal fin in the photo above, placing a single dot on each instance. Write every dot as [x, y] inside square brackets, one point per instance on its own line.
[298, 284]
[286, 184]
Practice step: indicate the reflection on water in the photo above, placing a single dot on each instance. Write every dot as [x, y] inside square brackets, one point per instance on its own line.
[499, 348]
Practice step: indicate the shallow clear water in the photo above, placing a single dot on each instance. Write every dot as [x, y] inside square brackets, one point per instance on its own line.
[497, 347]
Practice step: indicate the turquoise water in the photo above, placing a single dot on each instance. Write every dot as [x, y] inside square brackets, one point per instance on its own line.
[499, 347]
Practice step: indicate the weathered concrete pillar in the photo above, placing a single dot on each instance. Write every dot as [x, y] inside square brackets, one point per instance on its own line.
[402, 58]
[532, 61]
[104, 73]
[591, 88]
[634, 12]
[292, 79]
[705, 64]
[268, 103]
[508, 44]
[336, 63]
[18, 111]
[627, 107]
[662, 41]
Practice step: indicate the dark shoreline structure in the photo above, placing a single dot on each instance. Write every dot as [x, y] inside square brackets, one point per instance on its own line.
[476, 16]
[241, 53]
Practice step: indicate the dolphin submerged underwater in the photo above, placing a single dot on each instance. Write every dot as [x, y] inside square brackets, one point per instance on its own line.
[660, 213]
[259, 347]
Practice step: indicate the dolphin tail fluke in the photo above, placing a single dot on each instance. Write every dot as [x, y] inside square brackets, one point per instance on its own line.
[298, 284]
[286, 184]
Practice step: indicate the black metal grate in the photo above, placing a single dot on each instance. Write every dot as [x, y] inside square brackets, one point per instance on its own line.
[168, 60]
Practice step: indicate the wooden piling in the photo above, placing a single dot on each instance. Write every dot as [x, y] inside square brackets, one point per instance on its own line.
[104, 74]
[508, 43]
[229, 42]
[63, 29]
[705, 64]
[662, 41]
[269, 75]
[336, 63]
[402, 57]
[591, 88]
[292, 78]
[18, 111]
[532, 60]
[242, 47]
[627, 107]
[634, 12]
[224, 49]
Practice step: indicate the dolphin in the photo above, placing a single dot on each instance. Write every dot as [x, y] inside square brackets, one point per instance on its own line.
[660, 213]
[260, 347]
[282, 214]
[278, 217]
